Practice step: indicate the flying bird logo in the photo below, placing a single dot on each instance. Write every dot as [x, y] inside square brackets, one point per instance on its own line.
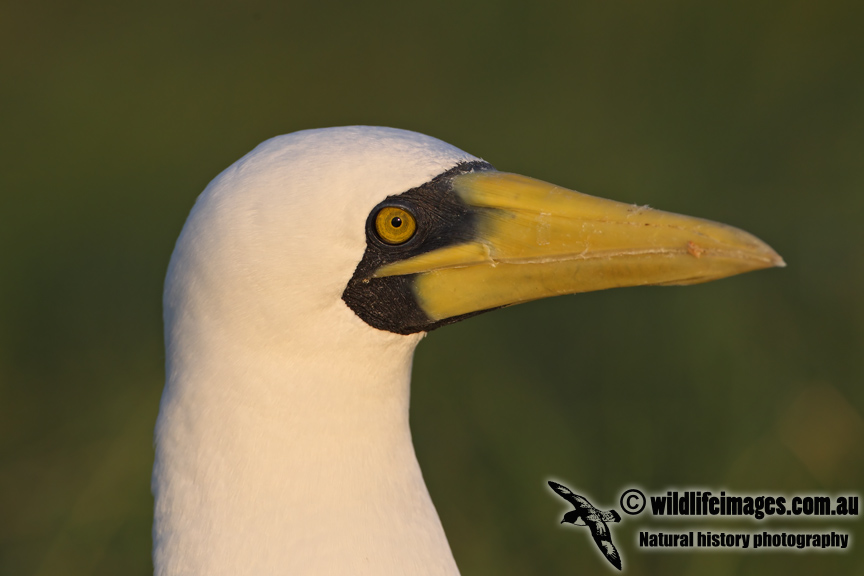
[585, 514]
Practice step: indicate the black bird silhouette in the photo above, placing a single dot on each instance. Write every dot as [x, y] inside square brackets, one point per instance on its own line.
[586, 514]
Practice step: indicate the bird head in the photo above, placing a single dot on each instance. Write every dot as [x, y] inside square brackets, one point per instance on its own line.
[390, 229]
[300, 285]
[572, 517]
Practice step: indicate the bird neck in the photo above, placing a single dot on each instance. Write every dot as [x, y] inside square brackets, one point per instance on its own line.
[291, 463]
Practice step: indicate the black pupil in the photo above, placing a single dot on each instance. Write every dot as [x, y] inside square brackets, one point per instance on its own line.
[396, 222]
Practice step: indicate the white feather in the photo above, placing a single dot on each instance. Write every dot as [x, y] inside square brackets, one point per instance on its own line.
[282, 445]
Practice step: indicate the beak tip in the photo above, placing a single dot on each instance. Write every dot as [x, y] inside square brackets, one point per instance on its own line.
[777, 260]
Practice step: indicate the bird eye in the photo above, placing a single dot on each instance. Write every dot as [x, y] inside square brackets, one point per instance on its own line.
[395, 225]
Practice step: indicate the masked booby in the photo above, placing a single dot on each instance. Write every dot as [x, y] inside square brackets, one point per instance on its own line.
[303, 279]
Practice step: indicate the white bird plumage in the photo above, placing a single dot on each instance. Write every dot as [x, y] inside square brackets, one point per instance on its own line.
[282, 444]
[271, 456]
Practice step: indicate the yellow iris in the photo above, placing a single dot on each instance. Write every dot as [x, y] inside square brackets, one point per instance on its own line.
[395, 225]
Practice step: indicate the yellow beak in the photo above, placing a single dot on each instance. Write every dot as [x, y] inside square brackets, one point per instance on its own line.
[537, 240]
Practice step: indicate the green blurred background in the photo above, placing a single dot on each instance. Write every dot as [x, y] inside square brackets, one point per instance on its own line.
[114, 116]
